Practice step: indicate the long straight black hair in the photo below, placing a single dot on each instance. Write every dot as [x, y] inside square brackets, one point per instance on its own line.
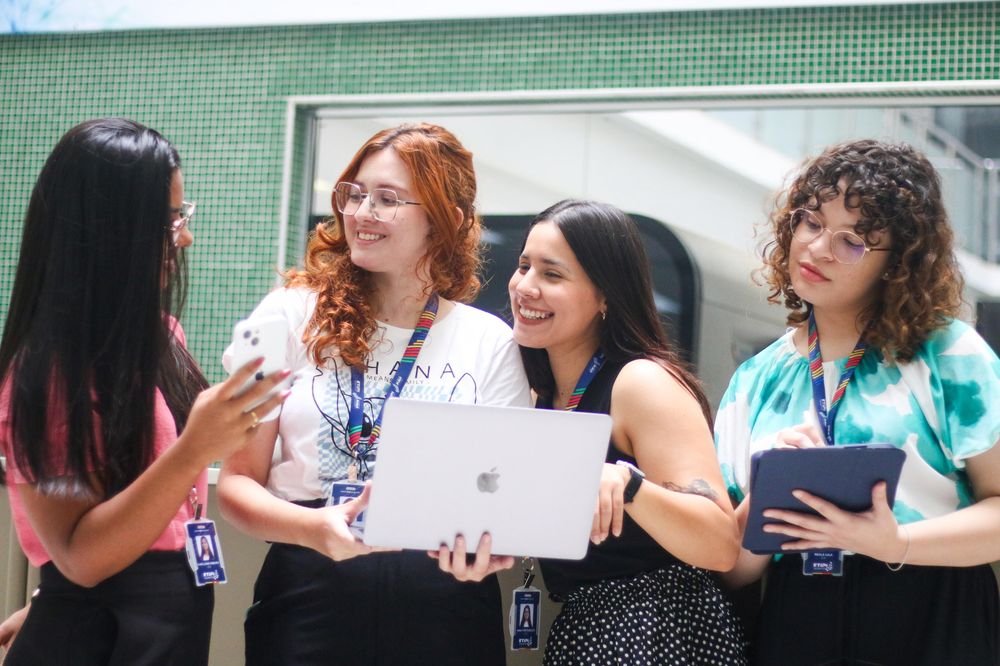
[607, 244]
[88, 338]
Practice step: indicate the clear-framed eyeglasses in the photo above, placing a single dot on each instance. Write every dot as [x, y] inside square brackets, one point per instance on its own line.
[183, 215]
[846, 247]
[382, 201]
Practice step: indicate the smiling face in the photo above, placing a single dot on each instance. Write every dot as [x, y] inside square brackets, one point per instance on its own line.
[555, 304]
[820, 279]
[393, 247]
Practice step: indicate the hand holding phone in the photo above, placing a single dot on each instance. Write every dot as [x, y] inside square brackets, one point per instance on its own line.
[261, 337]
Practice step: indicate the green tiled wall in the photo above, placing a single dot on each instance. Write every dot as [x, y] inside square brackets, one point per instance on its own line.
[219, 94]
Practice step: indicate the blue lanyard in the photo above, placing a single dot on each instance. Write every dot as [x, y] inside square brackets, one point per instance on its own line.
[361, 447]
[827, 414]
[589, 372]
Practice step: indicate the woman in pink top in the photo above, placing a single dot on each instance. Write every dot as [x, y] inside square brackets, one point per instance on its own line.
[105, 419]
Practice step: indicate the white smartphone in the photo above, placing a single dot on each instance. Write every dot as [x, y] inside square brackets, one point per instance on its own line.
[256, 337]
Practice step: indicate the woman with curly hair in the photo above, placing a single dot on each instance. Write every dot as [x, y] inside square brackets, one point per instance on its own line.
[383, 281]
[862, 258]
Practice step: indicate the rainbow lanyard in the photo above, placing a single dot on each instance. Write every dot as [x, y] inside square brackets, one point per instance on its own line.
[827, 415]
[355, 419]
[593, 367]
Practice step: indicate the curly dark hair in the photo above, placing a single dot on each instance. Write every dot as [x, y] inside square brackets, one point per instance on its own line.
[894, 188]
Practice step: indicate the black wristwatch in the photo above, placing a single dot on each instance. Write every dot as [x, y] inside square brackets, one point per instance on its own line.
[635, 480]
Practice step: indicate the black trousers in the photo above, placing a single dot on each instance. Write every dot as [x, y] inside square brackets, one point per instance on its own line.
[151, 613]
[379, 609]
[917, 616]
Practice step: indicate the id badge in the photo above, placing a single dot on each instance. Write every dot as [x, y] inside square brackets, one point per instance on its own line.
[523, 618]
[203, 552]
[823, 563]
[344, 491]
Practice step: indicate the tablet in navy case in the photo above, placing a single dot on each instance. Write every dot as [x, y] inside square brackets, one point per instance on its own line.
[843, 475]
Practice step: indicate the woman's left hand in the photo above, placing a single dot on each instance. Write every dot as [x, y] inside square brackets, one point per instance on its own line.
[454, 562]
[874, 532]
[610, 513]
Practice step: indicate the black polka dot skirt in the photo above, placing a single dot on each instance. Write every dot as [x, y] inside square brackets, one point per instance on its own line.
[674, 616]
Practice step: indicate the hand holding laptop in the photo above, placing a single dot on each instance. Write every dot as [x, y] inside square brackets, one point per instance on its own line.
[455, 562]
[333, 536]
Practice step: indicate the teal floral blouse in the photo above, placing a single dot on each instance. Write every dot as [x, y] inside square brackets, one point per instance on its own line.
[942, 408]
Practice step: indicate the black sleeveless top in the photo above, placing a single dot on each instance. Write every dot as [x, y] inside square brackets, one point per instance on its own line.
[632, 553]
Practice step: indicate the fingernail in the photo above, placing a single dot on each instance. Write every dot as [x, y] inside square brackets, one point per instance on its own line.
[286, 372]
[797, 494]
[259, 362]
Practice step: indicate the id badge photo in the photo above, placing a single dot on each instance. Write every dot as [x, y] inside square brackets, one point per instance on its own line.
[523, 618]
[204, 553]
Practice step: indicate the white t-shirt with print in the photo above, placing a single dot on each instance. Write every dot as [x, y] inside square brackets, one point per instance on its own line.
[469, 357]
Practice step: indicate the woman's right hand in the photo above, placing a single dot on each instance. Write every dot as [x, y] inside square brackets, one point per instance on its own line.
[333, 535]
[222, 422]
[802, 436]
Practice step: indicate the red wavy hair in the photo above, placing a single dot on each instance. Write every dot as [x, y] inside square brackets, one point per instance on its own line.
[444, 179]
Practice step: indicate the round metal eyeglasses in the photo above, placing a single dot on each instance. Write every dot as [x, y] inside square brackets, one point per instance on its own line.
[846, 246]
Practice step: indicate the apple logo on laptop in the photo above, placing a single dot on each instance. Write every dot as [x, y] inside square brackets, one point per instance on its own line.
[488, 482]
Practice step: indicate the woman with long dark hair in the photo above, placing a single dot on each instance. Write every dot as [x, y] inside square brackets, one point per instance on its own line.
[860, 254]
[378, 310]
[105, 419]
[591, 340]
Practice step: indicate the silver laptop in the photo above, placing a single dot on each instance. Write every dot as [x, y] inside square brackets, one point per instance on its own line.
[529, 477]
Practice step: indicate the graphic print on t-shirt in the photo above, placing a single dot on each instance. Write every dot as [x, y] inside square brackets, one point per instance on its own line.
[331, 384]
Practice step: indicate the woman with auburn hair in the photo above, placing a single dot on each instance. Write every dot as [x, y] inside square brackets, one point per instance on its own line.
[384, 280]
[862, 258]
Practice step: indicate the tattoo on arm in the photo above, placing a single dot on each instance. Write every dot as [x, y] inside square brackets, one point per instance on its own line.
[696, 487]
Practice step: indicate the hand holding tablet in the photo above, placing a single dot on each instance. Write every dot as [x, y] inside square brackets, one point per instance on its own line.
[843, 475]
